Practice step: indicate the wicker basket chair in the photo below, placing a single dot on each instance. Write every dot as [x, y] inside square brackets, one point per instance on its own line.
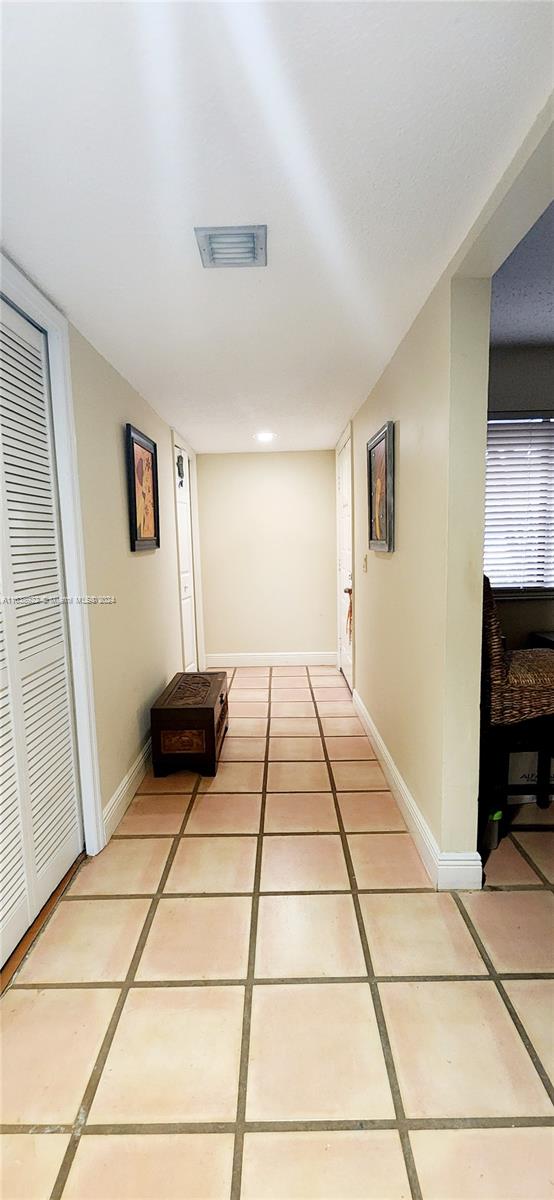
[517, 713]
[521, 682]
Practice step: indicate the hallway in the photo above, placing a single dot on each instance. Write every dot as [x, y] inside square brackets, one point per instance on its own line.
[254, 991]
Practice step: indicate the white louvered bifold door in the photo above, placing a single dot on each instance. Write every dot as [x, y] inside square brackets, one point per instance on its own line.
[41, 812]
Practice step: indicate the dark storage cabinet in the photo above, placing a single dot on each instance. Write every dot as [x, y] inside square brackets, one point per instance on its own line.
[189, 721]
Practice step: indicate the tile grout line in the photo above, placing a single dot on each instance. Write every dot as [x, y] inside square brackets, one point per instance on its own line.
[277, 980]
[411, 1123]
[494, 975]
[96, 1073]
[409, 1161]
[238, 1152]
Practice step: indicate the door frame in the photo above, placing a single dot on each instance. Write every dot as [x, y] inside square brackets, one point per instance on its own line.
[345, 435]
[30, 302]
[177, 440]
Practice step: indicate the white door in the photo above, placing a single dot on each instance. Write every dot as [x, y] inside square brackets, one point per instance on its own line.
[186, 566]
[344, 522]
[40, 816]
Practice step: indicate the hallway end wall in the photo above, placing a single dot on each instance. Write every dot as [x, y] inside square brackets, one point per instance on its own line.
[268, 549]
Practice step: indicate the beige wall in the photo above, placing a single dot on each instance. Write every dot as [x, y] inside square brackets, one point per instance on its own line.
[268, 547]
[135, 643]
[417, 611]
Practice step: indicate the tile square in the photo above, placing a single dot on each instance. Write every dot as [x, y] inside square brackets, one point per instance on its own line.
[419, 934]
[370, 812]
[300, 812]
[294, 727]
[315, 1054]
[243, 749]
[540, 848]
[533, 1000]
[30, 1163]
[349, 748]
[298, 777]
[126, 867]
[342, 727]
[35, 1088]
[387, 860]
[288, 672]
[294, 695]
[507, 866]
[225, 813]
[205, 937]
[178, 781]
[458, 1053]
[295, 749]
[330, 683]
[515, 927]
[154, 814]
[326, 671]
[288, 682]
[303, 863]
[86, 941]
[213, 864]
[296, 709]
[244, 695]
[331, 690]
[487, 1164]
[248, 709]
[247, 727]
[308, 936]
[163, 1166]
[234, 777]
[358, 777]
[336, 708]
[252, 673]
[350, 1164]
[175, 1057]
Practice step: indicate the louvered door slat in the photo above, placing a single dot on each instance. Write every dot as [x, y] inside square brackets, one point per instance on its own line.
[14, 911]
[46, 812]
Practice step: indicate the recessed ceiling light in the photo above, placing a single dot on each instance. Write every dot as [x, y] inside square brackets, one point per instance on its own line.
[232, 245]
[264, 435]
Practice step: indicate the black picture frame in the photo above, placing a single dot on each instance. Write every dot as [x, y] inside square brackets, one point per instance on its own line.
[141, 538]
[380, 489]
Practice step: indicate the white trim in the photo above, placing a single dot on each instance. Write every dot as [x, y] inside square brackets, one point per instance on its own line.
[294, 658]
[346, 436]
[32, 304]
[196, 561]
[446, 870]
[121, 799]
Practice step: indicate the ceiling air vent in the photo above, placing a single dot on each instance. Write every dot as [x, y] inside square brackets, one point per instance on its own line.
[233, 245]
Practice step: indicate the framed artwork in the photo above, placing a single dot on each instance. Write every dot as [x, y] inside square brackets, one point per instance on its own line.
[380, 489]
[142, 483]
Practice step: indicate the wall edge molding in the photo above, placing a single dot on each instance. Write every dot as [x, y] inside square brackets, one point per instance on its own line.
[271, 658]
[447, 870]
[118, 803]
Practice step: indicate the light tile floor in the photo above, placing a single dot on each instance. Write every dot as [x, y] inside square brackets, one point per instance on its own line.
[254, 992]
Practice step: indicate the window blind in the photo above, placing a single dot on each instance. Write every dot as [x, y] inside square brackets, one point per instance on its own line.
[519, 520]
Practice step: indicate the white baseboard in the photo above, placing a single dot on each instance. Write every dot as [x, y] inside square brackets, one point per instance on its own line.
[121, 799]
[292, 658]
[446, 870]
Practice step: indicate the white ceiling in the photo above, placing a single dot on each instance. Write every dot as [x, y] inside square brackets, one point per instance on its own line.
[366, 135]
[522, 308]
